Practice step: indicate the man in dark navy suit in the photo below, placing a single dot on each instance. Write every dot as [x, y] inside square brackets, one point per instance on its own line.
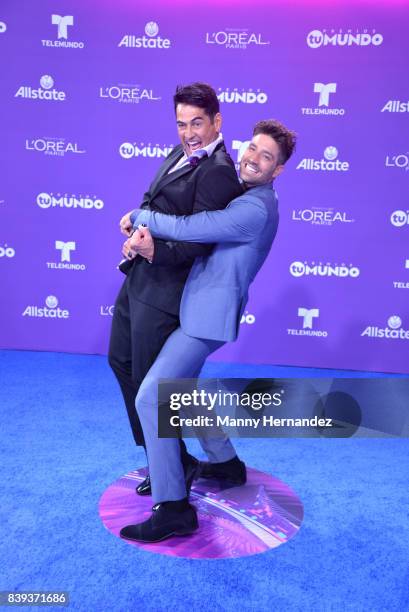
[198, 175]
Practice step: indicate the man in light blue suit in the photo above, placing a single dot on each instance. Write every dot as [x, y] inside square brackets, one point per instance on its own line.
[213, 301]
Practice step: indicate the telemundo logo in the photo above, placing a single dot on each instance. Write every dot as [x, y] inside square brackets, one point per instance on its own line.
[324, 91]
[240, 146]
[65, 248]
[308, 316]
[63, 22]
[403, 284]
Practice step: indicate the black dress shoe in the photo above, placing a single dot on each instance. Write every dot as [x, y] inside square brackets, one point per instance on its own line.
[145, 487]
[232, 472]
[174, 518]
[192, 468]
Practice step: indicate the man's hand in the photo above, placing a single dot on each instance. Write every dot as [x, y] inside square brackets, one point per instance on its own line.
[125, 224]
[140, 243]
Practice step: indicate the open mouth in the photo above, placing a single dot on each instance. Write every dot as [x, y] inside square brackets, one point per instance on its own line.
[250, 168]
[194, 145]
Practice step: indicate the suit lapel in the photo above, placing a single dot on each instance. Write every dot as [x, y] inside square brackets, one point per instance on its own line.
[173, 158]
[164, 178]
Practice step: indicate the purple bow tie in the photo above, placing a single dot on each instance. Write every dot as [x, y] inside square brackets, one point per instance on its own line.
[198, 155]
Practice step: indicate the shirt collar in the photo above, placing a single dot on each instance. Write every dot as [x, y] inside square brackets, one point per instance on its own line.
[209, 148]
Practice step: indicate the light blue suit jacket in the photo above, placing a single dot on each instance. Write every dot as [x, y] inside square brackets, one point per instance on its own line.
[216, 290]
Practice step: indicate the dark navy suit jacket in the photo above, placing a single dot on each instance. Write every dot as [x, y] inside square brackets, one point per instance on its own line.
[211, 185]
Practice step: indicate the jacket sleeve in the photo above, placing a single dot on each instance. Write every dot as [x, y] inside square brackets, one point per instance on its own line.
[239, 222]
[214, 190]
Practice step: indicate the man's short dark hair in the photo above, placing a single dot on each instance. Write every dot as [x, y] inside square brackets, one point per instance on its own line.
[198, 94]
[285, 139]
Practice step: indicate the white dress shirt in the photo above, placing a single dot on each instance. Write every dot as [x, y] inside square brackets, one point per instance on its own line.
[184, 161]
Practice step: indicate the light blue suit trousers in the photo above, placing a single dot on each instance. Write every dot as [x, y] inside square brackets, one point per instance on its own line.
[181, 357]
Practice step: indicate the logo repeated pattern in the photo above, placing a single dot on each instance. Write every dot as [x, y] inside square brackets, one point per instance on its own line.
[95, 120]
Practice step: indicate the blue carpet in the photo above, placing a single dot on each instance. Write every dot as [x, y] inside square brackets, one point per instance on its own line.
[65, 437]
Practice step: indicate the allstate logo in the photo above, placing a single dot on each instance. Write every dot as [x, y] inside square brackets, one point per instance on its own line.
[51, 301]
[399, 218]
[328, 163]
[127, 150]
[297, 268]
[394, 330]
[44, 200]
[315, 39]
[331, 153]
[46, 81]
[150, 39]
[151, 28]
[394, 322]
[46, 91]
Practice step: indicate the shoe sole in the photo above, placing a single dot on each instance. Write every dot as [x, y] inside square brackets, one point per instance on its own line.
[179, 533]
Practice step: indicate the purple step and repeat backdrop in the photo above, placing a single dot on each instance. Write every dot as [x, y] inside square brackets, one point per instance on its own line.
[87, 118]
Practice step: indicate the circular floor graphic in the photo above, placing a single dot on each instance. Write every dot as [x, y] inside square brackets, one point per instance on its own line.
[234, 521]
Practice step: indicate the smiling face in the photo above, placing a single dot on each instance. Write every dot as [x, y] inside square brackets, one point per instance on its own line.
[260, 162]
[195, 128]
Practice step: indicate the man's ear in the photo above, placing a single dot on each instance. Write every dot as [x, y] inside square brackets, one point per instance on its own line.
[218, 122]
[279, 169]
